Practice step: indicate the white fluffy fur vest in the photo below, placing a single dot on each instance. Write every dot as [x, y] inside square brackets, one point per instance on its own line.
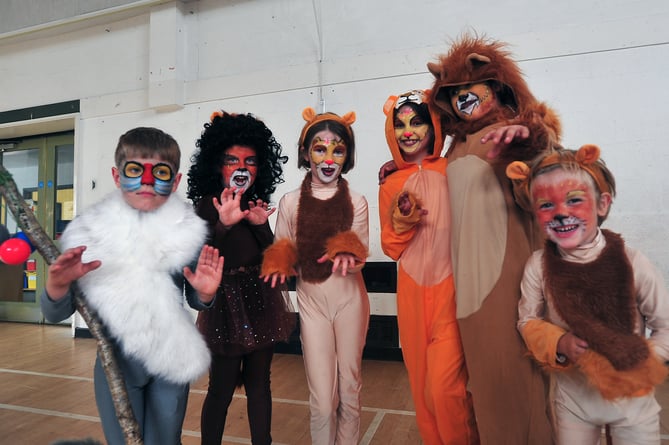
[133, 291]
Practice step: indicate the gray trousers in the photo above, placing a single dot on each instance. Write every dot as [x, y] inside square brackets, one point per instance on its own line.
[158, 405]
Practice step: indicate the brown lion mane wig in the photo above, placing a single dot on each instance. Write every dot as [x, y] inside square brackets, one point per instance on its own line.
[474, 59]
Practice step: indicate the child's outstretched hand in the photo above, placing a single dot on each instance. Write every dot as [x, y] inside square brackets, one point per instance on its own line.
[207, 275]
[228, 208]
[259, 212]
[275, 277]
[67, 268]
[341, 261]
[503, 136]
[571, 346]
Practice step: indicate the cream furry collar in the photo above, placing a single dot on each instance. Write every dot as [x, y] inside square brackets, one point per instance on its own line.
[133, 291]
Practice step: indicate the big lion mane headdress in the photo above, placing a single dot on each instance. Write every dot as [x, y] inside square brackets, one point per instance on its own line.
[474, 59]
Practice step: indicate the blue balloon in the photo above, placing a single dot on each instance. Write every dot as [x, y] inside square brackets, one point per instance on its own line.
[24, 237]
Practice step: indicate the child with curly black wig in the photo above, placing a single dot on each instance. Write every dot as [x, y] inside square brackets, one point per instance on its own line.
[234, 172]
[223, 132]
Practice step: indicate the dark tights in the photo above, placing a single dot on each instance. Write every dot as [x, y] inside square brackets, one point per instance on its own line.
[253, 371]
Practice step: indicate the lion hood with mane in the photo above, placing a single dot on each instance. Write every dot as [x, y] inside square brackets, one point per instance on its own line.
[473, 59]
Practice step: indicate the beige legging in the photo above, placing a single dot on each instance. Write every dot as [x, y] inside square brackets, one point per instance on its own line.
[333, 328]
[632, 421]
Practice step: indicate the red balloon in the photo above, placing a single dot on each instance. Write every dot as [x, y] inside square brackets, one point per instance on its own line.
[14, 251]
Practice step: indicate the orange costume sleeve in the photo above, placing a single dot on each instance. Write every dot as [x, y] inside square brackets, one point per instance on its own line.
[541, 338]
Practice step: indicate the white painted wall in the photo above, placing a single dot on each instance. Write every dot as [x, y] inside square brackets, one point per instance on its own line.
[601, 64]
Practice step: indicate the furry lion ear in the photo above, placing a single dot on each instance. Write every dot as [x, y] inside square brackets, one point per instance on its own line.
[435, 69]
[217, 113]
[389, 105]
[517, 170]
[587, 154]
[308, 114]
[349, 118]
[476, 60]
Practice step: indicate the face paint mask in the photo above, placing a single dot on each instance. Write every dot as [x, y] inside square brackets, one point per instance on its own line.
[240, 167]
[134, 175]
[565, 205]
[327, 156]
[471, 102]
[411, 132]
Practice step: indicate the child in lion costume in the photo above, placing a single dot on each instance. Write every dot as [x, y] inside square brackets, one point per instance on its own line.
[587, 301]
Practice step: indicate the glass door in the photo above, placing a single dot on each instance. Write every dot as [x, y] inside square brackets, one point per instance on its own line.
[43, 169]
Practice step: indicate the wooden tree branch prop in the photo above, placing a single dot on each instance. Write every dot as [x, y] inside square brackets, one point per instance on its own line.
[46, 247]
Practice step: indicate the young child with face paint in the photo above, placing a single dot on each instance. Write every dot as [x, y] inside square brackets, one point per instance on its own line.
[415, 231]
[235, 170]
[322, 237]
[129, 254]
[587, 301]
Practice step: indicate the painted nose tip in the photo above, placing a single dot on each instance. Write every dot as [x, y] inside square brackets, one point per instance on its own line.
[329, 161]
[147, 176]
[407, 134]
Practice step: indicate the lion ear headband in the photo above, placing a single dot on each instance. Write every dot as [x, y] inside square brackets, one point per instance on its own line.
[310, 116]
[586, 158]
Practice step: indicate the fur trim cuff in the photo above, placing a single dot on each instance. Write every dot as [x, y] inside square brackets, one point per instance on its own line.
[280, 258]
[404, 223]
[346, 242]
[613, 384]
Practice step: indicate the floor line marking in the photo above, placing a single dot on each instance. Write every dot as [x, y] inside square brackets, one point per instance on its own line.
[306, 403]
[204, 392]
[95, 419]
[45, 374]
[49, 412]
[371, 430]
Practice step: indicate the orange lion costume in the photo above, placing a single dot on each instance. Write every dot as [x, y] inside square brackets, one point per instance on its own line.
[478, 88]
[428, 329]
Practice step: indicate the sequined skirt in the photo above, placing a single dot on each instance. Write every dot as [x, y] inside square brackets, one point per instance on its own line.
[247, 314]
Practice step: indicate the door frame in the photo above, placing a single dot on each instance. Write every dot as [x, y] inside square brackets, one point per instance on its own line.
[30, 311]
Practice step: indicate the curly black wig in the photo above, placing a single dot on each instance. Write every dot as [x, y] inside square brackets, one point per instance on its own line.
[224, 131]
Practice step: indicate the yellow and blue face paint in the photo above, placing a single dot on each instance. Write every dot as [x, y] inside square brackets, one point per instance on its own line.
[134, 175]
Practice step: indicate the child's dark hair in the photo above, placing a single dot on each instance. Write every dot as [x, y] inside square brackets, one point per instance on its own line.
[224, 131]
[147, 142]
[345, 133]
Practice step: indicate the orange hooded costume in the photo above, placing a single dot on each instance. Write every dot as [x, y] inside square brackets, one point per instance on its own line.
[492, 238]
[428, 328]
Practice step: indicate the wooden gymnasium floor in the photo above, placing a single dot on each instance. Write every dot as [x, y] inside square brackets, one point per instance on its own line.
[46, 394]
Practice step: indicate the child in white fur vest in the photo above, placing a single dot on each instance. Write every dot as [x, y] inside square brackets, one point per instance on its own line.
[129, 254]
